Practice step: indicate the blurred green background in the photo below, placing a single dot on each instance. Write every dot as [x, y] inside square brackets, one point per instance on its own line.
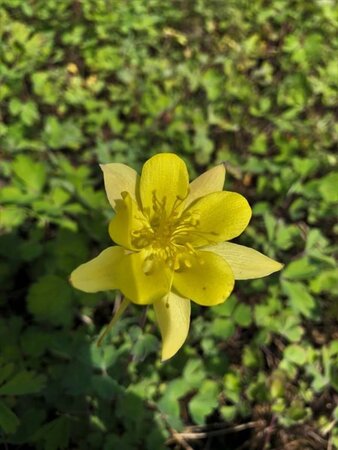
[252, 83]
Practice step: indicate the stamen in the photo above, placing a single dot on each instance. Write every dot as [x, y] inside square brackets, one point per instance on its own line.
[167, 235]
[187, 263]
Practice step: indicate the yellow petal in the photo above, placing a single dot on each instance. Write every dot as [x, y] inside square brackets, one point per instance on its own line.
[164, 178]
[246, 263]
[210, 181]
[173, 317]
[209, 281]
[98, 274]
[140, 282]
[119, 178]
[127, 220]
[221, 216]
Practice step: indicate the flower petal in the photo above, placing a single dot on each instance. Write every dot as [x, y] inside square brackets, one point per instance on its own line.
[221, 216]
[173, 317]
[209, 281]
[127, 220]
[119, 178]
[245, 262]
[210, 181]
[140, 286]
[98, 274]
[164, 177]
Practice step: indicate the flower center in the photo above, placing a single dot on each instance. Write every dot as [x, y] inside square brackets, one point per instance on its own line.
[165, 234]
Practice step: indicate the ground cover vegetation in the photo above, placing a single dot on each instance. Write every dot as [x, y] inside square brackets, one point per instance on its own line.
[249, 83]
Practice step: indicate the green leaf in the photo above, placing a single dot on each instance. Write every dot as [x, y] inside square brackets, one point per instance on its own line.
[11, 217]
[243, 315]
[251, 357]
[6, 371]
[228, 413]
[300, 298]
[301, 269]
[23, 383]
[32, 174]
[62, 134]
[102, 356]
[326, 281]
[145, 344]
[132, 410]
[226, 308]
[29, 113]
[270, 225]
[75, 378]
[328, 187]
[169, 403]
[296, 354]
[205, 401]
[8, 420]
[290, 328]
[232, 386]
[285, 236]
[259, 144]
[222, 328]
[14, 106]
[55, 434]
[194, 372]
[35, 342]
[212, 83]
[49, 299]
[105, 387]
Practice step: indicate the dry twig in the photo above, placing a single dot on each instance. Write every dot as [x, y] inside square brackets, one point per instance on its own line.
[207, 433]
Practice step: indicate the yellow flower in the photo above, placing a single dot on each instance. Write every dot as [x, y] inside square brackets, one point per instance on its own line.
[170, 243]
